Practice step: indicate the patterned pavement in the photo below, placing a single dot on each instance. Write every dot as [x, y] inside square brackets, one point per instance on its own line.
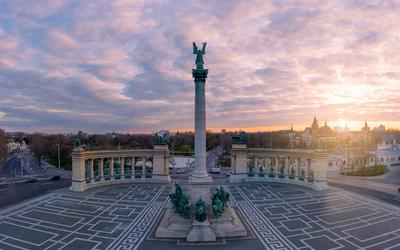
[285, 217]
[124, 217]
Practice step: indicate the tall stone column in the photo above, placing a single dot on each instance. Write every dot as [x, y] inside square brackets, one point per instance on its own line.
[200, 180]
[200, 171]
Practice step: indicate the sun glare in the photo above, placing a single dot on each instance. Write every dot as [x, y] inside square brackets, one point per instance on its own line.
[342, 123]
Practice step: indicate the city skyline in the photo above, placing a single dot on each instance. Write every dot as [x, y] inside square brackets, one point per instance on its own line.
[126, 66]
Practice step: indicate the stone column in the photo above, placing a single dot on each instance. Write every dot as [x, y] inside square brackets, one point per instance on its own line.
[200, 174]
[112, 168]
[133, 167]
[78, 171]
[266, 165]
[91, 170]
[308, 168]
[287, 166]
[122, 168]
[255, 166]
[101, 169]
[298, 165]
[144, 166]
[277, 167]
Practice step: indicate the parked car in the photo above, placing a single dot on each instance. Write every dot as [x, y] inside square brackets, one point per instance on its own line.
[180, 171]
[215, 170]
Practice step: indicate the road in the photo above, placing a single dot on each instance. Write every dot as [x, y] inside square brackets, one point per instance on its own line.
[13, 188]
[20, 191]
[211, 161]
[384, 187]
[11, 167]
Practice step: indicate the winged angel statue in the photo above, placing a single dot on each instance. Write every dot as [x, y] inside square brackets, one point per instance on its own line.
[199, 55]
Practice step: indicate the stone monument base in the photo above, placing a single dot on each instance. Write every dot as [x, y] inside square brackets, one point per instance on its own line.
[174, 226]
[200, 188]
[201, 232]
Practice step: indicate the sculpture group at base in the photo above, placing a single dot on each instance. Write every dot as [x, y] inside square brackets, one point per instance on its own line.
[180, 204]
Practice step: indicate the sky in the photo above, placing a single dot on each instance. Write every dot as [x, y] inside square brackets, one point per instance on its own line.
[101, 66]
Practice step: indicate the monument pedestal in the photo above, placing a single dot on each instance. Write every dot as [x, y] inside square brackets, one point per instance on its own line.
[200, 188]
[173, 226]
[201, 231]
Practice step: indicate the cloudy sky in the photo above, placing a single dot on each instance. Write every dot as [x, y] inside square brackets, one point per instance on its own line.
[100, 66]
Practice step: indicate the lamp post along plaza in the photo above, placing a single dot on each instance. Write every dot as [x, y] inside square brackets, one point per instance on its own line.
[200, 180]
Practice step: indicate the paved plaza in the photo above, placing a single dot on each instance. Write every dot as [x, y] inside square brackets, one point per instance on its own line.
[278, 216]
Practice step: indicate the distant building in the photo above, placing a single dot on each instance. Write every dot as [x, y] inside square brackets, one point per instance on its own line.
[14, 146]
[318, 137]
[387, 152]
[380, 128]
[336, 163]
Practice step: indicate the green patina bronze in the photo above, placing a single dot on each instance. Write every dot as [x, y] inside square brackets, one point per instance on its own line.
[292, 173]
[199, 55]
[239, 138]
[199, 74]
[271, 172]
[77, 143]
[160, 140]
[180, 202]
[200, 214]
[219, 202]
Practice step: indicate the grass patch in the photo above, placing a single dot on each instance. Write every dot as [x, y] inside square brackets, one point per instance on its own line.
[368, 171]
[66, 165]
[183, 153]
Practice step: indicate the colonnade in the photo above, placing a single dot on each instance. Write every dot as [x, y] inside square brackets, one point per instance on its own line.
[111, 173]
[304, 167]
[121, 166]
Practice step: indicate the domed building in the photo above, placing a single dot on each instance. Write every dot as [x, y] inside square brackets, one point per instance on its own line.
[318, 137]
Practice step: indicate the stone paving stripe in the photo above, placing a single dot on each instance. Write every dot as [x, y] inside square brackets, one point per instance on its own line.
[376, 229]
[25, 234]
[8, 247]
[346, 215]
[75, 206]
[52, 218]
[322, 242]
[104, 226]
[80, 244]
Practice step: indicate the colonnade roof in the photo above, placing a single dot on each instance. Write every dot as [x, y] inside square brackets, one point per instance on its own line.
[119, 153]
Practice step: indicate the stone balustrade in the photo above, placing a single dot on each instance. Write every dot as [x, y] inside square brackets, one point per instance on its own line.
[297, 166]
[105, 167]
